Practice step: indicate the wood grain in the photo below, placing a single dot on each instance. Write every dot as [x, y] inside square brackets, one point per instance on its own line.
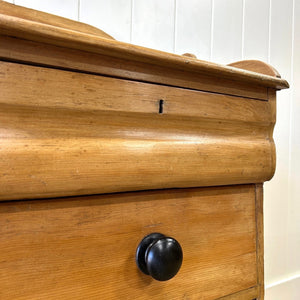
[84, 247]
[49, 19]
[37, 53]
[260, 239]
[23, 85]
[43, 33]
[272, 105]
[249, 294]
[256, 66]
[83, 114]
[66, 133]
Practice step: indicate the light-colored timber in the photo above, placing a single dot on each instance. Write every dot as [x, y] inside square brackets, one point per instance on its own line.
[75, 134]
[189, 55]
[257, 67]
[28, 52]
[44, 33]
[188, 142]
[84, 247]
[260, 239]
[249, 294]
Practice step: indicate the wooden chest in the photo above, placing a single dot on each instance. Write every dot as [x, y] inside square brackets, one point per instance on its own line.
[103, 143]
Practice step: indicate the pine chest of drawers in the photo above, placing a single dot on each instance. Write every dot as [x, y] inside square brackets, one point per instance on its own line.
[104, 143]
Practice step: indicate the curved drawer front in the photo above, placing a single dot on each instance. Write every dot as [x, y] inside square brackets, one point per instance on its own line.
[84, 247]
[64, 133]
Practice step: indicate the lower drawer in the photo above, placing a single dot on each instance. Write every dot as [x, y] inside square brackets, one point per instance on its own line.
[84, 247]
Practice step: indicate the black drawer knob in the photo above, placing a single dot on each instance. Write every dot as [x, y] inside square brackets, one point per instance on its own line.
[159, 256]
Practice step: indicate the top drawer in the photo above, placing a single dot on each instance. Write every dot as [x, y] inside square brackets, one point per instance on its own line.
[65, 133]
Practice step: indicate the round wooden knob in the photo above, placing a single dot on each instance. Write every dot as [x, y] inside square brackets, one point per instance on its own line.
[159, 256]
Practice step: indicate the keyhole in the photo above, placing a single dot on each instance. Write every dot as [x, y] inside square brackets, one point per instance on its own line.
[161, 106]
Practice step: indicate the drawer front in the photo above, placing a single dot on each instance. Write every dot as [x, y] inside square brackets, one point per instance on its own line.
[66, 134]
[84, 247]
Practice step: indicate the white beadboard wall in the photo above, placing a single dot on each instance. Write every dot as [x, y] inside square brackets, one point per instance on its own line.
[224, 31]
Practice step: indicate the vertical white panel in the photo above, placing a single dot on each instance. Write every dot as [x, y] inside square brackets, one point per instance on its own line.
[64, 8]
[193, 28]
[153, 24]
[281, 36]
[256, 29]
[277, 191]
[294, 205]
[10, 1]
[227, 31]
[113, 16]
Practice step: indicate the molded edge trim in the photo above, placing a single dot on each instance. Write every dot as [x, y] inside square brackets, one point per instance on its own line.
[34, 31]
[256, 66]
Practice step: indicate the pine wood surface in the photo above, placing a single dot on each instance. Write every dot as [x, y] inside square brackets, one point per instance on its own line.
[44, 33]
[32, 86]
[80, 115]
[36, 53]
[260, 240]
[249, 294]
[84, 247]
[66, 133]
[256, 66]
